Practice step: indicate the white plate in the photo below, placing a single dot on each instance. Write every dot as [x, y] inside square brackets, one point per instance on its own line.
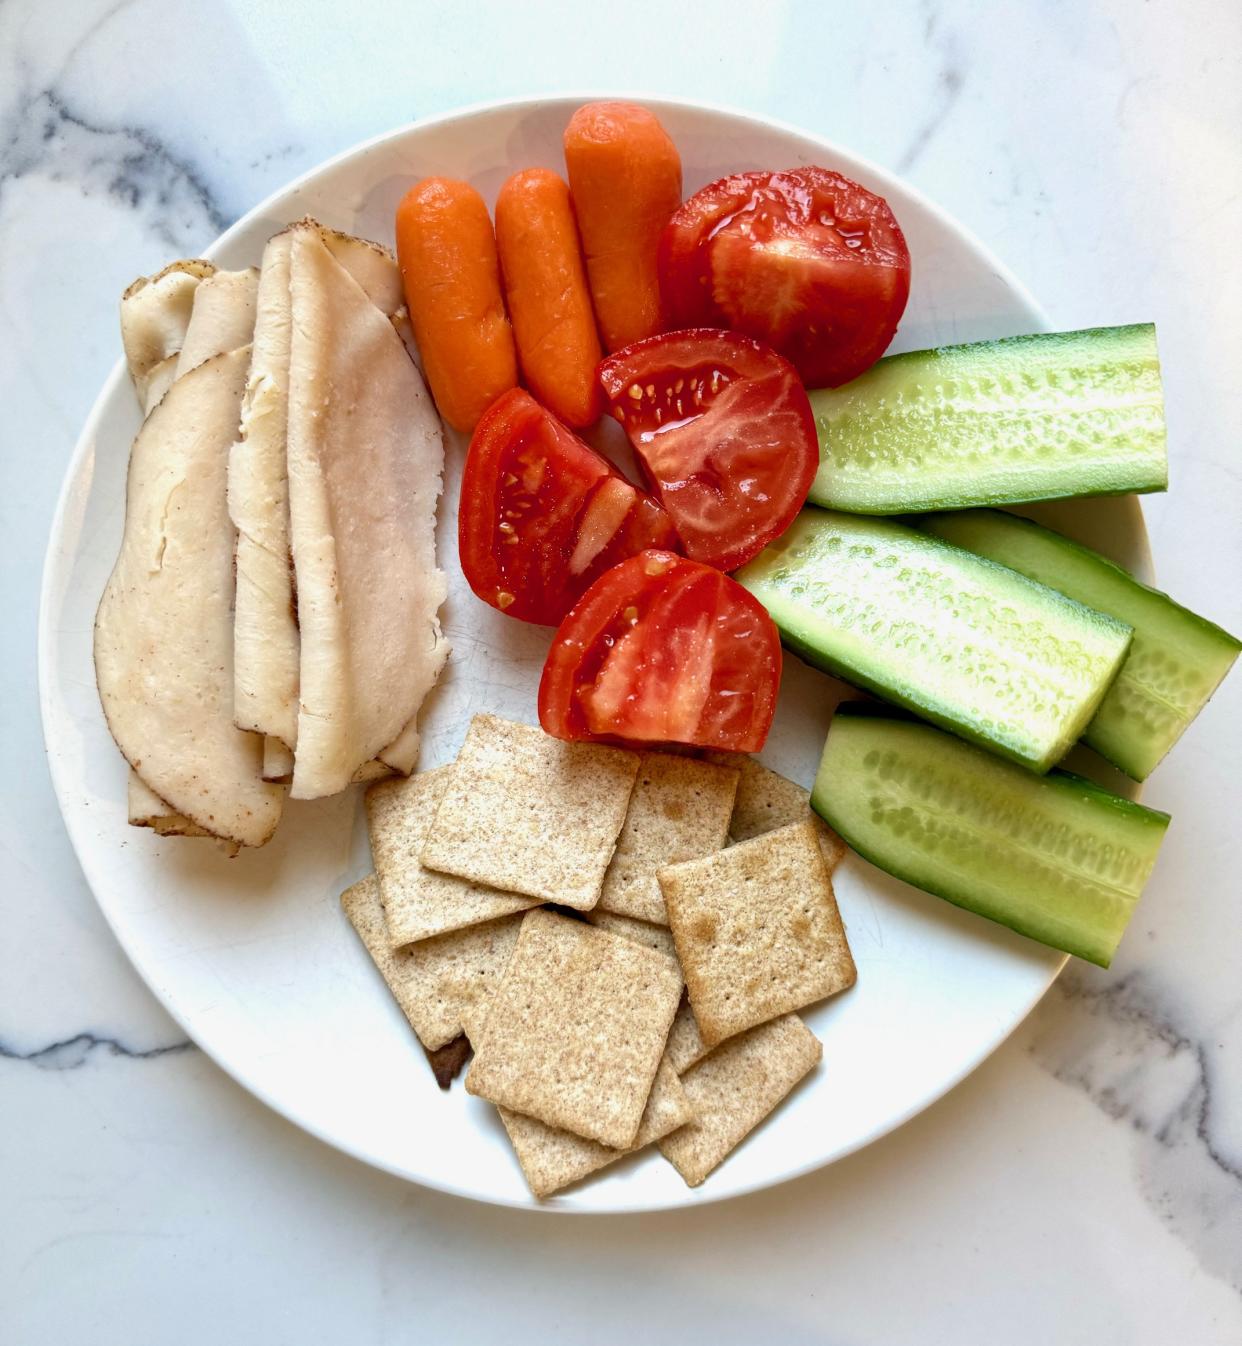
[253, 957]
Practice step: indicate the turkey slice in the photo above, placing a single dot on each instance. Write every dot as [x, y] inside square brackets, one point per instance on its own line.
[373, 267]
[277, 760]
[401, 754]
[164, 629]
[169, 323]
[155, 312]
[147, 809]
[267, 647]
[222, 317]
[365, 458]
[157, 383]
[265, 691]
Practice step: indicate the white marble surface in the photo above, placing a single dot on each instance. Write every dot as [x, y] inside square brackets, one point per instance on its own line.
[1086, 1183]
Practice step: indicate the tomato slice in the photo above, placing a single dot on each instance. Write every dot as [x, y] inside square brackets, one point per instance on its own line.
[724, 432]
[806, 260]
[542, 514]
[661, 649]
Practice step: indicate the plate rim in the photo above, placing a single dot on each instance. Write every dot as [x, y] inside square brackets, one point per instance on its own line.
[57, 554]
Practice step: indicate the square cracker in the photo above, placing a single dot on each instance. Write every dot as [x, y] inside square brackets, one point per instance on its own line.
[657, 937]
[685, 1045]
[767, 800]
[757, 929]
[552, 1159]
[735, 1088]
[576, 1029]
[436, 980]
[679, 810]
[419, 902]
[527, 813]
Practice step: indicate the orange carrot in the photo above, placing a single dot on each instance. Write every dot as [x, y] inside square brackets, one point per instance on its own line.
[625, 175]
[546, 290]
[447, 253]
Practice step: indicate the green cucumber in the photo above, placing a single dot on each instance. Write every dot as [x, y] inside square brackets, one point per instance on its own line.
[969, 644]
[1176, 659]
[996, 422]
[1054, 857]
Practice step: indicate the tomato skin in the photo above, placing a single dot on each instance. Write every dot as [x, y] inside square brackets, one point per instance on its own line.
[542, 514]
[725, 435]
[806, 260]
[661, 649]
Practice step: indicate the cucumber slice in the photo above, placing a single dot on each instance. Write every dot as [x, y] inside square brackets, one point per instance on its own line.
[996, 422]
[971, 645]
[1053, 857]
[1176, 659]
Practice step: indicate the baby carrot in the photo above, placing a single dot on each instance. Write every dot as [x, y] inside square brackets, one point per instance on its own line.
[447, 254]
[546, 290]
[625, 176]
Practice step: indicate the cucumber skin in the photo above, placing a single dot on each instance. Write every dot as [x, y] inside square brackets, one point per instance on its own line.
[1098, 953]
[958, 361]
[924, 707]
[1107, 732]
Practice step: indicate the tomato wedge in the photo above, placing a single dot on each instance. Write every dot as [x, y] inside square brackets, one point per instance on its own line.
[724, 432]
[663, 650]
[542, 514]
[806, 260]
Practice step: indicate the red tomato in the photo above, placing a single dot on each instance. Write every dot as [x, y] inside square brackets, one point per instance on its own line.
[724, 432]
[663, 650]
[542, 514]
[806, 260]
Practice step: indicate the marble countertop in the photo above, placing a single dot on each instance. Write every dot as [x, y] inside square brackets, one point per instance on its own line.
[1085, 1185]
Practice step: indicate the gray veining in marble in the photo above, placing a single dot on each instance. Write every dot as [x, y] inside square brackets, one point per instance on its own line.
[130, 164]
[1117, 1039]
[944, 46]
[74, 1052]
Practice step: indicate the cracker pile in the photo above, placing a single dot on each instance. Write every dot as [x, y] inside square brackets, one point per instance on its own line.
[622, 938]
